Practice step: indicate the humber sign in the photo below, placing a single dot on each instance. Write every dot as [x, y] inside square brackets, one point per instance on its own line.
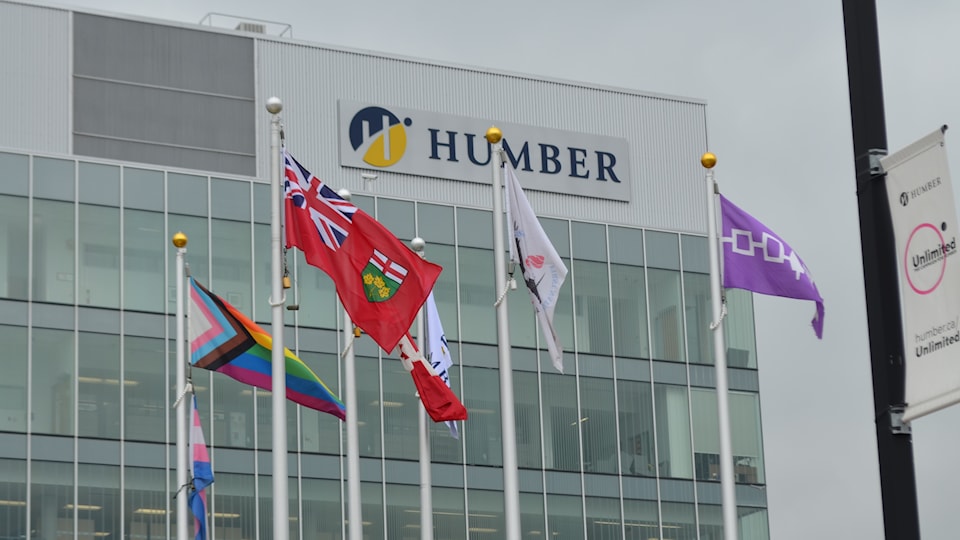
[437, 145]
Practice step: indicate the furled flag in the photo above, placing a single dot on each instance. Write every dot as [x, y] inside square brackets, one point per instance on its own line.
[202, 476]
[381, 282]
[438, 353]
[543, 270]
[756, 259]
[224, 340]
[440, 402]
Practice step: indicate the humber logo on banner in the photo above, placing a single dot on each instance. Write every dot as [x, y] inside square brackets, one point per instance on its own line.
[379, 136]
[438, 145]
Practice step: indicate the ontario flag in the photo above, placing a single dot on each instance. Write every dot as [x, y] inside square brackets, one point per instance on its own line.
[381, 282]
[440, 402]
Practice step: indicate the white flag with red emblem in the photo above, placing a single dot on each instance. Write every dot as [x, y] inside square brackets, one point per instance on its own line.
[543, 270]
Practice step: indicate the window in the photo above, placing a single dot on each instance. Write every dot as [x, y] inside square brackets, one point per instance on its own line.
[99, 385]
[673, 431]
[629, 310]
[144, 398]
[561, 423]
[592, 307]
[53, 251]
[598, 425]
[99, 270]
[665, 316]
[144, 246]
[53, 379]
[637, 452]
[13, 389]
[481, 397]
[14, 252]
[745, 436]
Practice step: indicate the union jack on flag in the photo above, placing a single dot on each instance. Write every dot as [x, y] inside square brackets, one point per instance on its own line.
[333, 217]
[381, 282]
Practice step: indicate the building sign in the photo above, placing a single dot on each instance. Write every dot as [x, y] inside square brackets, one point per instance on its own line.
[438, 145]
[924, 219]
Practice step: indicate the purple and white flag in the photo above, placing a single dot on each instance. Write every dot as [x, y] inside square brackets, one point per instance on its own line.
[756, 259]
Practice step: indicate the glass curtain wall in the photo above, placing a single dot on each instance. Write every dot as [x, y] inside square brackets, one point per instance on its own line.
[91, 249]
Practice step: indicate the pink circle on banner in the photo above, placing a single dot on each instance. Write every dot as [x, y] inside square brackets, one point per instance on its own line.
[906, 259]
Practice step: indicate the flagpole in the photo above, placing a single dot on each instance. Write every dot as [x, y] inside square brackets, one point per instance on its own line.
[354, 514]
[183, 433]
[727, 484]
[898, 482]
[426, 495]
[511, 492]
[281, 527]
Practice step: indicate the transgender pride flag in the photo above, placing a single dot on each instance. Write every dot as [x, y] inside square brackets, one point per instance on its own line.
[202, 475]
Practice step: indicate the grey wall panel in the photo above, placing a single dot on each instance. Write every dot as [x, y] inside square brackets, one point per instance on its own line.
[666, 135]
[163, 116]
[183, 157]
[35, 63]
[124, 50]
[163, 95]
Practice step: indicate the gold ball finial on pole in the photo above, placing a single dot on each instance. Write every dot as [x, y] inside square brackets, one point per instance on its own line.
[180, 240]
[708, 160]
[493, 135]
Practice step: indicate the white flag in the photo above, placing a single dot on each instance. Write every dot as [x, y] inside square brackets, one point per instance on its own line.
[438, 353]
[543, 270]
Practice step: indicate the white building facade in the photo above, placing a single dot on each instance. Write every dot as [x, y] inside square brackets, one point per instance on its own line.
[121, 131]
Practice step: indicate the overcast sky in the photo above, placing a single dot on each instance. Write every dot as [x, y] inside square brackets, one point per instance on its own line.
[773, 74]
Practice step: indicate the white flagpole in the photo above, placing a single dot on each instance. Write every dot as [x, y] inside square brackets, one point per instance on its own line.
[281, 526]
[511, 491]
[727, 484]
[354, 514]
[426, 495]
[183, 433]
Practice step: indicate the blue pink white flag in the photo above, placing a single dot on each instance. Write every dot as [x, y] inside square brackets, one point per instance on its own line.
[756, 259]
[202, 476]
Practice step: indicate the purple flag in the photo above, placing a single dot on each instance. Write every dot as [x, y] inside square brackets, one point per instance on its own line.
[756, 259]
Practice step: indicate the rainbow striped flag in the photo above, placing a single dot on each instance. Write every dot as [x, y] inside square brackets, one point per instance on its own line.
[224, 340]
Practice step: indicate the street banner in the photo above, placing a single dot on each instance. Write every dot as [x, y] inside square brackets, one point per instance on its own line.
[924, 219]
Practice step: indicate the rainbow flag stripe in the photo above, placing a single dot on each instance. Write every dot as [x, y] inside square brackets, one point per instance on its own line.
[224, 340]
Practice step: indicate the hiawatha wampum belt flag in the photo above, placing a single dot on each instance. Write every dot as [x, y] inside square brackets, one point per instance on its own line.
[756, 259]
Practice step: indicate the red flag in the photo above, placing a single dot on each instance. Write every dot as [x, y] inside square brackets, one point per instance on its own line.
[381, 282]
[440, 402]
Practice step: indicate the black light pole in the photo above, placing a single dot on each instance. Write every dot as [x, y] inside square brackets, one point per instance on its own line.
[894, 443]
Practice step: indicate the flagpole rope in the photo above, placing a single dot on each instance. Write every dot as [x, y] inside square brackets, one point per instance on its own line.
[723, 313]
[506, 289]
[188, 485]
[346, 349]
[186, 390]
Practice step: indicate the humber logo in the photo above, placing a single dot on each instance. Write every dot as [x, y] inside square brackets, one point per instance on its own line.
[380, 135]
